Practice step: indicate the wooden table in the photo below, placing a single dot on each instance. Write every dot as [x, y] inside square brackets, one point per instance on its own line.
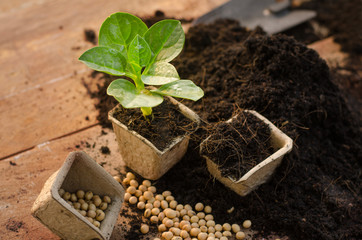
[46, 111]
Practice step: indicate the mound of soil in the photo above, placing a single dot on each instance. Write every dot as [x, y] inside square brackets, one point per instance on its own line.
[239, 145]
[315, 193]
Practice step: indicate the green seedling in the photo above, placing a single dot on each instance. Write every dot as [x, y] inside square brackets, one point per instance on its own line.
[127, 47]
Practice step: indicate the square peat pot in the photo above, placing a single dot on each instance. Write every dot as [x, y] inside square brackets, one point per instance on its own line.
[142, 156]
[281, 143]
[79, 171]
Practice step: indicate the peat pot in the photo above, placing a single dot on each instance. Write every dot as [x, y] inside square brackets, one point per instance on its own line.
[142, 156]
[79, 171]
[281, 143]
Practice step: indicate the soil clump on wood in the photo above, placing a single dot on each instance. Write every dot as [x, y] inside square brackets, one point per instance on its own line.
[316, 192]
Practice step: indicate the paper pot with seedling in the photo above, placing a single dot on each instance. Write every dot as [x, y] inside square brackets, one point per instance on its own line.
[244, 151]
[142, 55]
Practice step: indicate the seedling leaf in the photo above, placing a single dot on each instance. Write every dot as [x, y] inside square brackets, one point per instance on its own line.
[166, 39]
[131, 97]
[105, 59]
[181, 89]
[119, 29]
[160, 73]
[139, 52]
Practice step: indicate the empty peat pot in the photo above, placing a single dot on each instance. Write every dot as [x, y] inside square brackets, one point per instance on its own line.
[259, 174]
[79, 171]
[144, 157]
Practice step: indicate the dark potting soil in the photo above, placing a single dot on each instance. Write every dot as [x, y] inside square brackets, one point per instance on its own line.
[166, 123]
[316, 192]
[238, 146]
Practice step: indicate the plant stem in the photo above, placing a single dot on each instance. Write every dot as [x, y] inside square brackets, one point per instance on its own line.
[146, 111]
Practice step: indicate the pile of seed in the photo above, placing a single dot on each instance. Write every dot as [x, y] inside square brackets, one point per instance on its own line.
[89, 205]
[176, 221]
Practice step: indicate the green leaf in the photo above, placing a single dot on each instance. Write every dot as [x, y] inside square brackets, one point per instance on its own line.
[139, 52]
[166, 39]
[119, 30]
[130, 97]
[105, 59]
[160, 73]
[181, 89]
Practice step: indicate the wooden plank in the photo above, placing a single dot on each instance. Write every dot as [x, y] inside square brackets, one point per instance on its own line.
[20, 184]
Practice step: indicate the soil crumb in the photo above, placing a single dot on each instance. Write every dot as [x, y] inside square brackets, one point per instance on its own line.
[13, 225]
[90, 36]
[105, 150]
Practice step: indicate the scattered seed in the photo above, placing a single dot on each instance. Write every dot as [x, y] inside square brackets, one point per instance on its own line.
[155, 211]
[235, 228]
[199, 207]
[184, 234]
[73, 197]
[194, 232]
[240, 235]
[103, 206]
[202, 236]
[100, 215]
[127, 196]
[91, 213]
[144, 228]
[117, 178]
[141, 205]
[207, 209]
[147, 213]
[167, 235]
[147, 183]
[247, 224]
[152, 189]
[209, 217]
[142, 187]
[130, 176]
[88, 195]
[226, 227]
[162, 227]
[96, 223]
[154, 219]
[131, 190]
[227, 234]
[97, 201]
[132, 200]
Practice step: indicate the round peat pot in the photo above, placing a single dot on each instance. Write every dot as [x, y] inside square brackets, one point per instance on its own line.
[281, 143]
[79, 171]
[142, 156]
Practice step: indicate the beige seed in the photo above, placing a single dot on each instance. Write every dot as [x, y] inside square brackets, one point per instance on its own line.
[127, 195]
[141, 205]
[81, 201]
[179, 207]
[103, 206]
[203, 229]
[84, 206]
[194, 219]
[184, 234]
[218, 234]
[210, 238]
[83, 213]
[80, 194]
[90, 219]
[152, 189]
[100, 215]
[167, 235]
[200, 215]
[247, 224]
[175, 231]
[165, 219]
[195, 225]
[97, 201]
[131, 190]
[73, 197]
[144, 228]
[126, 181]
[183, 223]
[170, 198]
[156, 204]
[183, 212]
[162, 227]
[152, 200]
[227, 234]
[76, 205]
[91, 213]
[149, 206]
[159, 197]
[176, 219]
[235, 228]
[154, 219]
[210, 223]
[209, 217]
[176, 224]
[207, 209]
[176, 238]
[191, 213]
[164, 204]
[147, 183]
[186, 218]
[92, 207]
[226, 227]
[133, 183]
[61, 192]
[96, 224]
[107, 199]
[148, 195]
[187, 227]
[211, 230]
[170, 213]
[199, 207]
[223, 238]
[161, 216]
[169, 223]
[117, 178]
[147, 213]
[173, 204]
[88, 195]
[188, 207]
[240, 235]
[202, 236]
[166, 194]
[202, 222]
[194, 232]
[155, 211]
[138, 193]
[132, 200]
[130, 175]
[218, 227]
[142, 199]
[142, 188]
